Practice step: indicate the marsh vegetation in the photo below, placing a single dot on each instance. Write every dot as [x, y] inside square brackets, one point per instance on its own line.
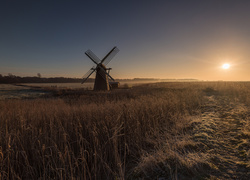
[172, 130]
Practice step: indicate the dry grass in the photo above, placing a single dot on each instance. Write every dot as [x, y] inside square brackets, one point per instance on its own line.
[144, 132]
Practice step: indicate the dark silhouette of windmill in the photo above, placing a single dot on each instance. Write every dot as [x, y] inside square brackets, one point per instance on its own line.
[102, 72]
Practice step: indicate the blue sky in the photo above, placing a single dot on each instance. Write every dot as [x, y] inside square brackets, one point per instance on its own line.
[158, 39]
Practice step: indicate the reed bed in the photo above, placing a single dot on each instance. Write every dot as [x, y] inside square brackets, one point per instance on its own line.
[142, 132]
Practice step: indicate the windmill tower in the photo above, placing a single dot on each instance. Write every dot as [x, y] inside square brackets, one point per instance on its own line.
[102, 73]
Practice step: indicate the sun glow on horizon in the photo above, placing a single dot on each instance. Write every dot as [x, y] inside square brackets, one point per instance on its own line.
[226, 66]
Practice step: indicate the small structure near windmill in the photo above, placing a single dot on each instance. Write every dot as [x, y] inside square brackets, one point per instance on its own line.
[102, 79]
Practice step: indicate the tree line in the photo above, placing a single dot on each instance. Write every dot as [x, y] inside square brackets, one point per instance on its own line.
[12, 79]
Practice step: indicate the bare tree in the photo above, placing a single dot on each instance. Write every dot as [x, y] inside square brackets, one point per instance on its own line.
[11, 75]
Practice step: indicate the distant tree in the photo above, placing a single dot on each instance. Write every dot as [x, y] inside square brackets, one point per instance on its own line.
[11, 75]
[1, 76]
[39, 75]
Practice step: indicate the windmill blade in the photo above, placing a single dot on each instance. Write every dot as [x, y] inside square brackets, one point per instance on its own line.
[105, 73]
[111, 77]
[92, 56]
[110, 55]
[88, 74]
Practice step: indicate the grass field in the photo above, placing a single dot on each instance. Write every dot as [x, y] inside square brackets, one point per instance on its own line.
[177, 130]
[36, 90]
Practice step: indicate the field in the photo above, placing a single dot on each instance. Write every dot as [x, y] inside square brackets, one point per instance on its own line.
[35, 90]
[86, 85]
[173, 130]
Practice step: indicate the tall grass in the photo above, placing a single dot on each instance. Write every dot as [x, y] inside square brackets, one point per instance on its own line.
[123, 134]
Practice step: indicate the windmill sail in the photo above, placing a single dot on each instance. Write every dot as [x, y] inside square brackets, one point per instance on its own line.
[110, 56]
[88, 74]
[92, 56]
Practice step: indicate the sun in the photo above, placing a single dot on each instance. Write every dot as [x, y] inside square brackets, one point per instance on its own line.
[226, 66]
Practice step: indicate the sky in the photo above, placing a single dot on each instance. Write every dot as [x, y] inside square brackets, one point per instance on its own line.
[157, 38]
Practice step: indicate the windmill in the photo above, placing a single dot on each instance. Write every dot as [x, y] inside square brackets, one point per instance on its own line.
[102, 72]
